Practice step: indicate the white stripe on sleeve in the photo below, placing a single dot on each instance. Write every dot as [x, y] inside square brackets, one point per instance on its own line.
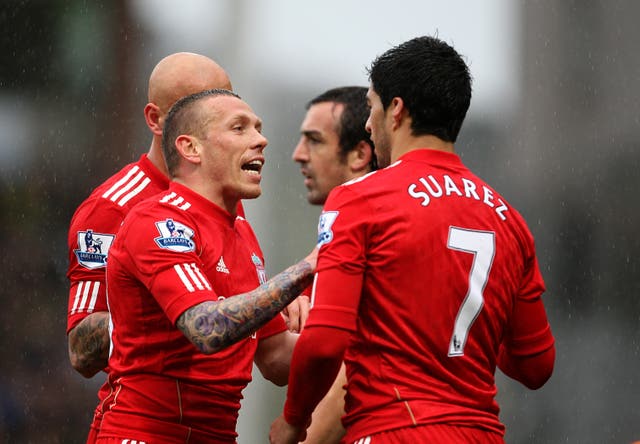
[85, 296]
[119, 183]
[193, 276]
[184, 278]
[77, 298]
[127, 187]
[204, 279]
[94, 297]
[133, 193]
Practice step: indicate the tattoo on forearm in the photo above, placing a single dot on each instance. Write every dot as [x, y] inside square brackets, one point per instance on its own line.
[215, 325]
[89, 343]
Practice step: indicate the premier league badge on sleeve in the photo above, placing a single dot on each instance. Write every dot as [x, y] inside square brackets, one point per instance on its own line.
[327, 218]
[93, 248]
[174, 236]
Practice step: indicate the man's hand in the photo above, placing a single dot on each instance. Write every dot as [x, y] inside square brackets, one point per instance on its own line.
[284, 433]
[296, 313]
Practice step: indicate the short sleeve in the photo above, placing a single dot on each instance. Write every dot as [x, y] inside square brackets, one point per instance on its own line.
[92, 231]
[165, 245]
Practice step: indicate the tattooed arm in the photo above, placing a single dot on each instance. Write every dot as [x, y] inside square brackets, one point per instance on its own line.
[89, 344]
[215, 325]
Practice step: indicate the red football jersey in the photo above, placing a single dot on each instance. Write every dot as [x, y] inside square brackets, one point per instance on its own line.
[423, 262]
[172, 252]
[93, 228]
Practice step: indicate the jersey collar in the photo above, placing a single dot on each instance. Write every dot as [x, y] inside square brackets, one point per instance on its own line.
[202, 204]
[428, 155]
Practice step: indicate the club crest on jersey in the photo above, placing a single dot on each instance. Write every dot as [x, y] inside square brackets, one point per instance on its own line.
[174, 236]
[93, 248]
[262, 274]
[327, 218]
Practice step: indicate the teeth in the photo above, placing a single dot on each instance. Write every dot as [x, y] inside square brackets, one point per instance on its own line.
[254, 166]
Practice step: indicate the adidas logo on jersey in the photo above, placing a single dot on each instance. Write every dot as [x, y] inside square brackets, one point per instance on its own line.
[221, 267]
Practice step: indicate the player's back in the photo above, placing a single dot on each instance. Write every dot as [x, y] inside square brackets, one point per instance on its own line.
[446, 258]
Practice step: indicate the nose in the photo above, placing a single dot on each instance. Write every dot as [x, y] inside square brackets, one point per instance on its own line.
[367, 125]
[261, 140]
[301, 152]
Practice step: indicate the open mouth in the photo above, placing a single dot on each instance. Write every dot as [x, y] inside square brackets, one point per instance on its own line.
[253, 167]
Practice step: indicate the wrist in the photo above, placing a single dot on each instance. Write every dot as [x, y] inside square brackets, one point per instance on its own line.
[295, 418]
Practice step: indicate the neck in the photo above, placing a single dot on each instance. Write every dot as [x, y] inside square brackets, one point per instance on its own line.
[156, 157]
[212, 194]
[403, 145]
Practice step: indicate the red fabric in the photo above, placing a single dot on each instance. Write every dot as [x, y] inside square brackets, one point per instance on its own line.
[400, 251]
[527, 353]
[93, 431]
[527, 369]
[316, 361]
[433, 434]
[104, 394]
[148, 406]
[187, 250]
[103, 212]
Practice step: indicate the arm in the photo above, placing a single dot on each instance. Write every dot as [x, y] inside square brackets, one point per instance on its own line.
[326, 426]
[273, 357]
[532, 371]
[527, 353]
[89, 344]
[315, 364]
[214, 325]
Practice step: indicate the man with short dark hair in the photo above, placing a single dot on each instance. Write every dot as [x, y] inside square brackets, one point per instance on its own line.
[427, 278]
[334, 148]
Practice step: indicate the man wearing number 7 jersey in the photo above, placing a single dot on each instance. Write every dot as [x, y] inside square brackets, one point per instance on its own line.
[427, 278]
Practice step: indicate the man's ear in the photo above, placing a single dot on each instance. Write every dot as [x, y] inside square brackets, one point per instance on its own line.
[398, 111]
[360, 157]
[152, 116]
[188, 148]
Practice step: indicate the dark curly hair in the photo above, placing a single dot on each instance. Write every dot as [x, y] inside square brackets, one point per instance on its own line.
[433, 81]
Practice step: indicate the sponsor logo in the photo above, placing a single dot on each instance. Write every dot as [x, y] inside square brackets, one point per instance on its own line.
[93, 248]
[221, 267]
[174, 236]
[325, 235]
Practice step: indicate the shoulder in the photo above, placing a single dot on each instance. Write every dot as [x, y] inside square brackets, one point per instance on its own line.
[162, 206]
[119, 193]
[131, 185]
[155, 223]
[370, 189]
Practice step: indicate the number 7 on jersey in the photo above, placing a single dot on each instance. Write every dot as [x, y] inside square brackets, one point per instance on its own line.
[482, 245]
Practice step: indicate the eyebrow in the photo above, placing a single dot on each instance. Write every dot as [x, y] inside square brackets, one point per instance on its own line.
[246, 118]
[311, 133]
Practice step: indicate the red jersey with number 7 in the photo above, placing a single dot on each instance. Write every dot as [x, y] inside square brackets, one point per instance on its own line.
[424, 263]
